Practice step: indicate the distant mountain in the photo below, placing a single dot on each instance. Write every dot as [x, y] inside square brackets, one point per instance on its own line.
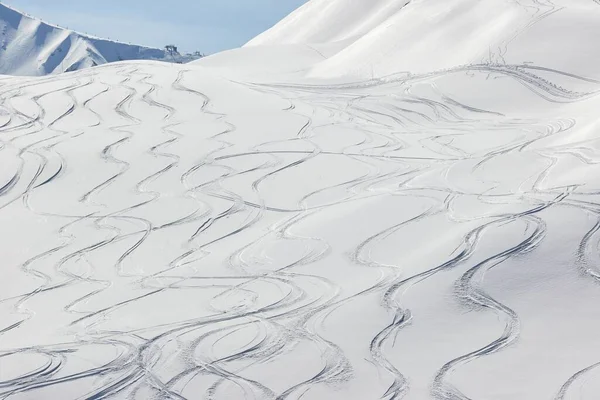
[29, 46]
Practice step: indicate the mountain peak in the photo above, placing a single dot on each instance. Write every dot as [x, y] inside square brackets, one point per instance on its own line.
[29, 46]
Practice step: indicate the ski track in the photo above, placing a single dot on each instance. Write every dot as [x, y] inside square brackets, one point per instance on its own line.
[404, 136]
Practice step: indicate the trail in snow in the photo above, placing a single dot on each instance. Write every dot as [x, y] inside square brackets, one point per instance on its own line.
[172, 262]
[189, 232]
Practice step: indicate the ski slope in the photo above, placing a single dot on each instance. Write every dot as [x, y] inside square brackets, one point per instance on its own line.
[249, 227]
[386, 37]
[32, 47]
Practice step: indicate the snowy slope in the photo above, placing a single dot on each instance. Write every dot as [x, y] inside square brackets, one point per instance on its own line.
[211, 231]
[389, 36]
[322, 21]
[29, 46]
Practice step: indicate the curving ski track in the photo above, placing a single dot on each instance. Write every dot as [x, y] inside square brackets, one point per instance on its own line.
[176, 235]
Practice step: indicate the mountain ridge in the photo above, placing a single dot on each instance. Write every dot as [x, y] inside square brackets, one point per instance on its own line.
[385, 37]
[32, 47]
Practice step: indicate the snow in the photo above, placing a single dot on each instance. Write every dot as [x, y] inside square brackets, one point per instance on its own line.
[326, 213]
[29, 46]
[385, 37]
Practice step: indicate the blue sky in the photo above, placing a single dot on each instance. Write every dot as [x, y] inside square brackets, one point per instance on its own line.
[204, 25]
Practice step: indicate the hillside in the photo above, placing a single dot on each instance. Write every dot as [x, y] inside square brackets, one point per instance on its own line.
[384, 37]
[32, 47]
[373, 200]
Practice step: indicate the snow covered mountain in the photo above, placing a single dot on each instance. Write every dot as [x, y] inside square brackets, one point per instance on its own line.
[29, 46]
[382, 37]
[373, 200]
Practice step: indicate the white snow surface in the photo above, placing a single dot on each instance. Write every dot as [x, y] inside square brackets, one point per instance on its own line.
[29, 46]
[383, 37]
[311, 224]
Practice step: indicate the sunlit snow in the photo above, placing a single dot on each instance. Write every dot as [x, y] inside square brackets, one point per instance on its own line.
[372, 200]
